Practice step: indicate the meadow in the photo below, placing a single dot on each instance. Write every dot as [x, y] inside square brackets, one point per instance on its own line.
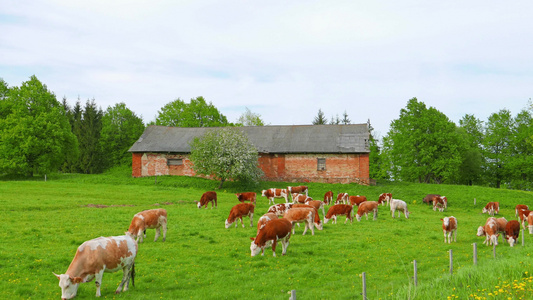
[43, 223]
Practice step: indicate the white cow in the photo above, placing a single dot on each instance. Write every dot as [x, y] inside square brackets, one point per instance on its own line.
[400, 206]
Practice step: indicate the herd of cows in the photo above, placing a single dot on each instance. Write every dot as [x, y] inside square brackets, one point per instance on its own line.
[111, 254]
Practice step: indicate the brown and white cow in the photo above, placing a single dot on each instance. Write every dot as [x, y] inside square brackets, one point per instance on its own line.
[428, 199]
[530, 223]
[384, 198]
[522, 215]
[519, 207]
[238, 211]
[365, 208]
[304, 215]
[342, 198]
[356, 200]
[316, 220]
[491, 208]
[265, 219]
[149, 219]
[512, 231]
[275, 230]
[440, 203]
[273, 193]
[328, 197]
[316, 204]
[206, 198]
[96, 256]
[490, 230]
[279, 209]
[300, 198]
[298, 189]
[339, 210]
[248, 196]
[400, 206]
[449, 228]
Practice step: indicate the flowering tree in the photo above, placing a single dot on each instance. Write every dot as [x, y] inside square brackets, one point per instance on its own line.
[224, 154]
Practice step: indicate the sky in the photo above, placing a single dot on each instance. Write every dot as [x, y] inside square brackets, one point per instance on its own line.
[283, 60]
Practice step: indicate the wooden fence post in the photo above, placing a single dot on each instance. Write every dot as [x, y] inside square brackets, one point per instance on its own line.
[293, 295]
[451, 262]
[475, 253]
[363, 275]
[416, 273]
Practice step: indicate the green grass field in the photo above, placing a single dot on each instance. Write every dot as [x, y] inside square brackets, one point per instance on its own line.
[43, 223]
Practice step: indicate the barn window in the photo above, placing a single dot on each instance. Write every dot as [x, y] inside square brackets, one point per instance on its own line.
[321, 164]
[174, 162]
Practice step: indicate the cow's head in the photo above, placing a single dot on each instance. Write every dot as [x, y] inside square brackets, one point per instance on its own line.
[358, 217]
[228, 224]
[198, 204]
[511, 240]
[319, 225]
[263, 193]
[480, 231]
[254, 248]
[326, 220]
[69, 285]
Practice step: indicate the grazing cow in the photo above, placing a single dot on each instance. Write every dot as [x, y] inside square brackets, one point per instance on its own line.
[316, 204]
[316, 220]
[429, 198]
[278, 229]
[298, 189]
[94, 257]
[342, 198]
[265, 219]
[491, 208]
[512, 231]
[339, 210]
[449, 228]
[300, 198]
[523, 214]
[275, 193]
[439, 202]
[530, 223]
[248, 196]
[519, 207]
[356, 200]
[206, 198]
[384, 198]
[367, 207]
[328, 197]
[490, 231]
[279, 209]
[400, 206]
[238, 211]
[304, 215]
[149, 219]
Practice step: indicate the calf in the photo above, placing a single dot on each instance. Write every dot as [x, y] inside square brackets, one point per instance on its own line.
[279, 209]
[94, 257]
[339, 210]
[206, 198]
[491, 208]
[275, 230]
[449, 228]
[429, 198]
[328, 197]
[316, 204]
[519, 207]
[238, 211]
[273, 193]
[248, 196]
[300, 198]
[367, 207]
[439, 203]
[384, 198]
[316, 220]
[523, 214]
[400, 206]
[342, 198]
[304, 215]
[149, 219]
[356, 200]
[298, 189]
[512, 231]
[490, 231]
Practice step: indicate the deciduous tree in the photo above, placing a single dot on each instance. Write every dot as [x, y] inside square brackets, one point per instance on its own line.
[248, 118]
[196, 113]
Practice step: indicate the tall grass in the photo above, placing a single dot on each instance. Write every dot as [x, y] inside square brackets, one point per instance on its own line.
[44, 222]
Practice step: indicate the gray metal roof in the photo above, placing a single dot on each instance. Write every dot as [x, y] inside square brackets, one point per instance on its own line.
[351, 138]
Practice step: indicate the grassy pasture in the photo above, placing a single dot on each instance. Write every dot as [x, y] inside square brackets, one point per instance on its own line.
[44, 222]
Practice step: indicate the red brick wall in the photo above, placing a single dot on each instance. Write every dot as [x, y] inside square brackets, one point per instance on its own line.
[340, 168]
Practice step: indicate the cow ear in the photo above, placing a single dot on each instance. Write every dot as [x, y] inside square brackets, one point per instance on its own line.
[56, 276]
[252, 238]
[76, 279]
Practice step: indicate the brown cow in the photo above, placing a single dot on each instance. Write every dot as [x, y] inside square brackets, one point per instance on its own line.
[279, 209]
[94, 257]
[356, 200]
[248, 196]
[275, 193]
[298, 189]
[523, 214]
[449, 228]
[367, 207]
[304, 215]
[265, 219]
[206, 198]
[519, 207]
[490, 231]
[440, 203]
[317, 221]
[342, 198]
[328, 197]
[149, 219]
[278, 229]
[316, 204]
[339, 210]
[300, 198]
[512, 231]
[384, 198]
[238, 211]
[491, 208]
[429, 198]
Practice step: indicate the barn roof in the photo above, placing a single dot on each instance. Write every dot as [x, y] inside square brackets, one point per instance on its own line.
[352, 138]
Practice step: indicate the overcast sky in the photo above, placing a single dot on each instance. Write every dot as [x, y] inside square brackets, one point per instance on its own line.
[284, 60]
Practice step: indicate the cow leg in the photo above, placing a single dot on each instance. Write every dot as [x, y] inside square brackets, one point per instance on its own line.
[274, 247]
[376, 215]
[311, 226]
[140, 235]
[455, 235]
[164, 230]
[157, 233]
[444, 235]
[305, 227]
[293, 228]
[125, 280]
[285, 245]
[98, 281]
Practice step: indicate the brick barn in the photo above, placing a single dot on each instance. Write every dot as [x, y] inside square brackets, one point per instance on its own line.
[297, 153]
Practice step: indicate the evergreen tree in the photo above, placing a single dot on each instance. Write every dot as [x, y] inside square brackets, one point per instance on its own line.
[320, 119]
[345, 119]
[91, 154]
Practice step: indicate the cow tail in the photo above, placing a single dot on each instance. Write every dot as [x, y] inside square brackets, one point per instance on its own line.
[133, 275]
